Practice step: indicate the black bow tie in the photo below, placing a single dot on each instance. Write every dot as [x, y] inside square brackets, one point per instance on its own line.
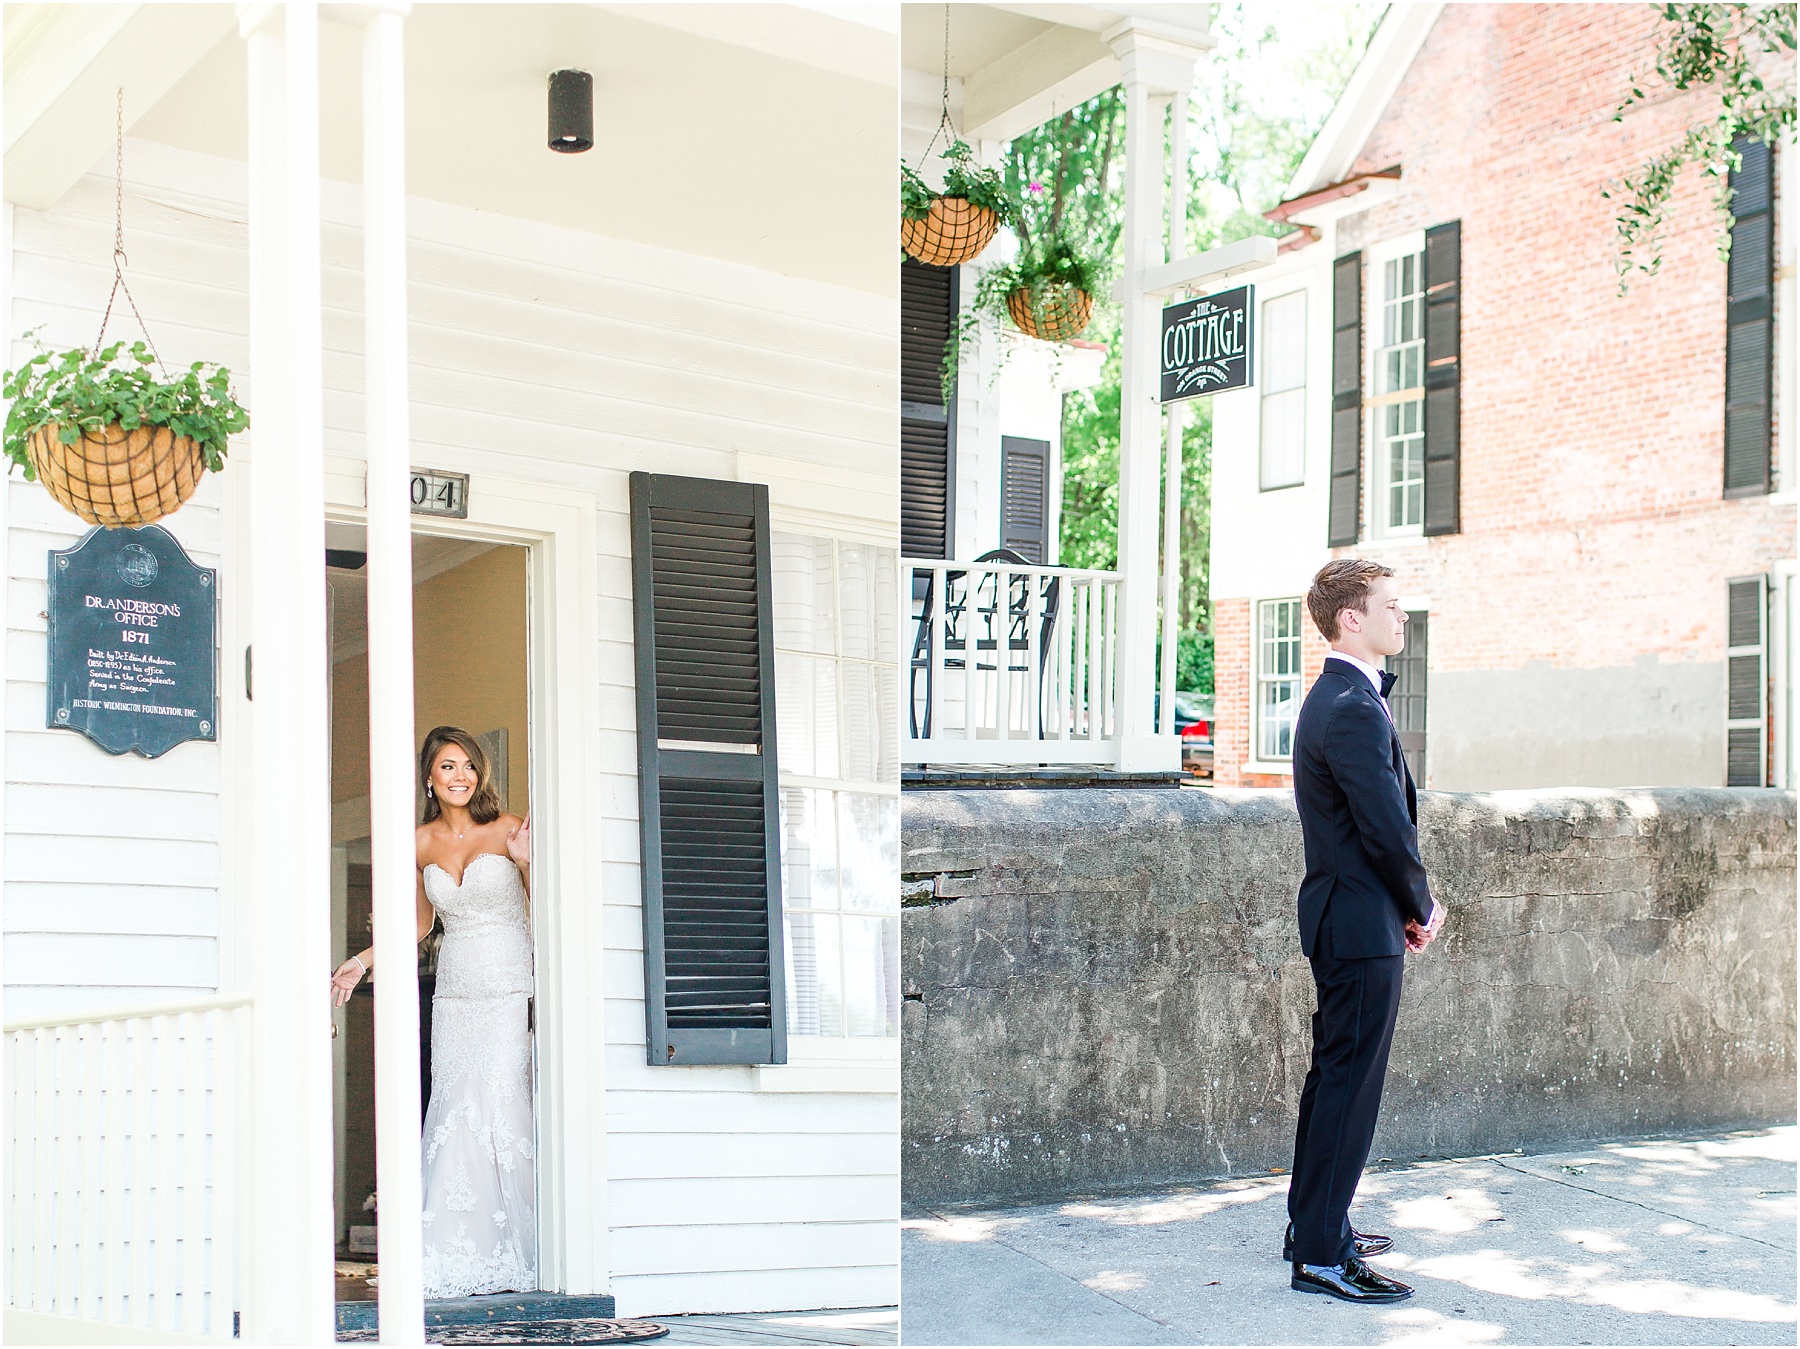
[1388, 679]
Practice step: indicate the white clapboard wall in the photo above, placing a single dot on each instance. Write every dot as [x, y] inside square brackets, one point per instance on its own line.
[562, 358]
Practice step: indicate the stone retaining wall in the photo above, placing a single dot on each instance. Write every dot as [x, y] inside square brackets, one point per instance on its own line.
[1105, 989]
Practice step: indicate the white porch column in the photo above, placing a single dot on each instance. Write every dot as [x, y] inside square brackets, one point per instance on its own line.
[1156, 65]
[1176, 417]
[290, 1298]
[391, 751]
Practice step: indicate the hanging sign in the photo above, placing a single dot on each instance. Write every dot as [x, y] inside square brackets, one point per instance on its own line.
[1206, 344]
[133, 642]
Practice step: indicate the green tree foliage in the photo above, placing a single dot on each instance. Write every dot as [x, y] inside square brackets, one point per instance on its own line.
[1745, 55]
[1259, 101]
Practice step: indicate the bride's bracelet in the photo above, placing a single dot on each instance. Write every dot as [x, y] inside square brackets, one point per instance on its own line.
[359, 965]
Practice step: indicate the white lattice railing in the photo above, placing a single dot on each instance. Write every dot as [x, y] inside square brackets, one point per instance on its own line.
[1009, 663]
[125, 1143]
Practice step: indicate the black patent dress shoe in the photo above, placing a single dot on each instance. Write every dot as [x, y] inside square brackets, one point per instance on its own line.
[1352, 1281]
[1366, 1243]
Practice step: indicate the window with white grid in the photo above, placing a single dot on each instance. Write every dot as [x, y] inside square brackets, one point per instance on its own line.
[1400, 395]
[1277, 677]
[837, 709]
[1283, 440]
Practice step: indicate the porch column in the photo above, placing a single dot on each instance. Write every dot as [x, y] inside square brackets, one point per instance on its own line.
[391, 750]
[1156, 64]
[1175, 424]
[289, 1277]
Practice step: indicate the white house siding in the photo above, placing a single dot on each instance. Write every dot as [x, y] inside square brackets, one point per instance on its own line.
[561, 358]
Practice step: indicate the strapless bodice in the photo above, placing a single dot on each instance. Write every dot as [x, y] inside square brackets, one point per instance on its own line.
[487, 939]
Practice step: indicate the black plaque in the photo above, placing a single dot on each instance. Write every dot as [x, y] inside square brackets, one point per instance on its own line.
[1206, 344]
[133, 642]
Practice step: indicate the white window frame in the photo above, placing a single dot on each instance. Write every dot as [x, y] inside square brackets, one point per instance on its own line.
[1259, 762]
[1375, 402]
[1267, 392]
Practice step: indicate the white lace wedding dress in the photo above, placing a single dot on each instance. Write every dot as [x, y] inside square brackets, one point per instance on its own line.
[480, 1192]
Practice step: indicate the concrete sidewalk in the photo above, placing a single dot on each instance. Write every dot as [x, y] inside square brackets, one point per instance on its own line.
[1658, 1241]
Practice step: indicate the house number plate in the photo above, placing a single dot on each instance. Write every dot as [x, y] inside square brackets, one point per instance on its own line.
[435, 493]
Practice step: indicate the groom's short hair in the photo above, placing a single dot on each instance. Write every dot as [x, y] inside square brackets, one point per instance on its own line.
[1343, 583]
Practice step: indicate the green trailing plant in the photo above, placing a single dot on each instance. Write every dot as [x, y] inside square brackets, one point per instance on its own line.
[963, 178]
[1744, 53]
[77, 391]
[1039, 268]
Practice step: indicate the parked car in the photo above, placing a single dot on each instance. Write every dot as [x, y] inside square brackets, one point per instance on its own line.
[1194, 723]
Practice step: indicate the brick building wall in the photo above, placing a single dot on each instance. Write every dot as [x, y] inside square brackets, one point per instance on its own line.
[1577, 623]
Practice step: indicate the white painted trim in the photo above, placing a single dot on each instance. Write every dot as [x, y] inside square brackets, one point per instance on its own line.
[1279, 768]
[1375, 476]
[1390, 55]
[1787, 468]
[1784, 585]
[558, 524]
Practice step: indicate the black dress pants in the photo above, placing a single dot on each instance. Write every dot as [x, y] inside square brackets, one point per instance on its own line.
[1352, 1033]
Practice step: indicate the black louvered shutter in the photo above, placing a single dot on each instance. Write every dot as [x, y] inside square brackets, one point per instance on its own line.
[1443, 378]
[1345, 521]
[1025, 497]
[1749, 322]
[710, 814]
[1746, 682]
[928, 306]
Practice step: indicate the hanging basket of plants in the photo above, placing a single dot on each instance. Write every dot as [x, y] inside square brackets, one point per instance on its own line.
[1047, 291]
[945, 229]
[112, 442]
[1050, 310]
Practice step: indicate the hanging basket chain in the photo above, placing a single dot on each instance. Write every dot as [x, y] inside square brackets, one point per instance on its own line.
[119, 259]
[944, 122]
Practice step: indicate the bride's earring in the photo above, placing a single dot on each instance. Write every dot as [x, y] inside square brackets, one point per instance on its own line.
[428, 790]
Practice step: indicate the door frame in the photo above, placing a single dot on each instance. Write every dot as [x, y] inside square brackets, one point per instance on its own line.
[558, 526]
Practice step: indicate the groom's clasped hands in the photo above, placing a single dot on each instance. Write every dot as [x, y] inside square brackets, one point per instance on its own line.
[1417, 937]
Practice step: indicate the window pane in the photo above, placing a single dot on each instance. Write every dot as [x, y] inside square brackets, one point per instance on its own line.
[1284, 439]
[802, 940]
[806, 714]
[831, 974]
[869, 832]
[866, 579]
[1277, 678]
[1284, 343]
[805, 617]
[809, 863]
[861, 724]
[870, 976]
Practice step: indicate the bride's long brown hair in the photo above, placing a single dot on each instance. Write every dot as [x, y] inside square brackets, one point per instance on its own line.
[484, 801]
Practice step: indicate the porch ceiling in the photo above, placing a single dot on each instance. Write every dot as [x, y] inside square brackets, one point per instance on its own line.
[1021, 64]
[758, 134]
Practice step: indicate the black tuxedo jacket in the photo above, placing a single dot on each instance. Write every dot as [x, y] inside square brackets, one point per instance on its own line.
[1359, 815]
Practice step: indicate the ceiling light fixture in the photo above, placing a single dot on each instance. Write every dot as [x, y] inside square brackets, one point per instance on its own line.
[571, 111]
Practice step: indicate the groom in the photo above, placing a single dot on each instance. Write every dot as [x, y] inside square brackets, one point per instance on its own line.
[1363, 902]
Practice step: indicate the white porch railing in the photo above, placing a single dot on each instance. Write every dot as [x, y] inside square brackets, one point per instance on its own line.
[1009, 663]
[125, 1141]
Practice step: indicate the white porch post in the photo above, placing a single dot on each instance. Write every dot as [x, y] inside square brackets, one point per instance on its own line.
[1155, 65]
[290, 1276]
[1176, 425]
[402, 1305]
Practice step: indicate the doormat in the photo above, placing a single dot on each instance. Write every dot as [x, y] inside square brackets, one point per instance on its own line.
[569, 1330]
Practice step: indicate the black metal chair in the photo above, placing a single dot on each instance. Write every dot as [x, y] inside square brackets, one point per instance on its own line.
[957, 607]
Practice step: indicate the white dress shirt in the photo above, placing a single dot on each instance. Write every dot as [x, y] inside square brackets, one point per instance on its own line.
[1373, 675]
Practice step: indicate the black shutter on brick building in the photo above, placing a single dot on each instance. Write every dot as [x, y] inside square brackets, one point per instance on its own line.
[1443, 378]
[1750, 322]
[709, 807]
[1025, 497]
[1746, 682]
[928, 307]
[1345, 511]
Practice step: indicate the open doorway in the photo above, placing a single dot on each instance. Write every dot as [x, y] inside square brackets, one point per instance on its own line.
[470, 669]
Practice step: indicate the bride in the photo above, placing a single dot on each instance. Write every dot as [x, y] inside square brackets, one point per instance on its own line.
[474, 869]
